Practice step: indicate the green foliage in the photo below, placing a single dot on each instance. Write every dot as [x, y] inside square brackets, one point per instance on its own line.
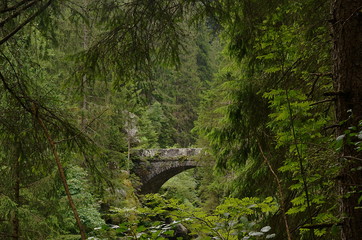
[85, 201]
[64, 65]
[153, 127]
[297, 127]
[233, 116]
[7, 206]
[291, 105]
[233, 219]
[351, 136]
[182, 187]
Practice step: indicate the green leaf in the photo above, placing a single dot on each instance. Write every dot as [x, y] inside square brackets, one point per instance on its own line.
[141, 228]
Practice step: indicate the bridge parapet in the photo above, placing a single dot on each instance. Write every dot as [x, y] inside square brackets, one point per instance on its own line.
[157, 154]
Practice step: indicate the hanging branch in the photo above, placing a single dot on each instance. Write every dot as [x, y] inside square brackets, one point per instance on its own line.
[23, 24]
[280, 192]
[12, 8]
[17, 13]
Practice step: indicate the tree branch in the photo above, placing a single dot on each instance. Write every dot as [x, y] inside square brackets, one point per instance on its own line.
[332, 126]
[352, 158]
[17, 13]
[327, 74]
[85, 127]
[12, 92]
[323, 101]
[17, 29]
[13, 7]
[321, 225]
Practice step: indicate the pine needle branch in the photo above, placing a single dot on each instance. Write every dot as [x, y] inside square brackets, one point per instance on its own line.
[18, 28]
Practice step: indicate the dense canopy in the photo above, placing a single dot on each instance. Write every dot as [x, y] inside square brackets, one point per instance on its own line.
[271, 90]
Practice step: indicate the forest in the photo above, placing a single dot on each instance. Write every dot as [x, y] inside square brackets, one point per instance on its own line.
[181, 119]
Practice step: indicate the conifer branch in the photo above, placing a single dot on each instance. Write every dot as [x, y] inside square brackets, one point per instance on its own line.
[18, 28]
[17, 13]
[84, 128]
[8, 9]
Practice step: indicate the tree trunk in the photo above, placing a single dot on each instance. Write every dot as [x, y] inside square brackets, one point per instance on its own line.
[84, 84]
[347, 60]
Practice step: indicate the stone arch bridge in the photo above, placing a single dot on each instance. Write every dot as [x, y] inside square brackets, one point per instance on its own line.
[155, 166]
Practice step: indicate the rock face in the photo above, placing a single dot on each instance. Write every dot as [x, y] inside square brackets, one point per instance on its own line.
[156, 166]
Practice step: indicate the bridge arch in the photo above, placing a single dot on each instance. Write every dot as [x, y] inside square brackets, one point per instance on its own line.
[155, 166]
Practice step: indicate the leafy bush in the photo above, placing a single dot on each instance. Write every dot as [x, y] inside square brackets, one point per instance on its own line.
[161, 219]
